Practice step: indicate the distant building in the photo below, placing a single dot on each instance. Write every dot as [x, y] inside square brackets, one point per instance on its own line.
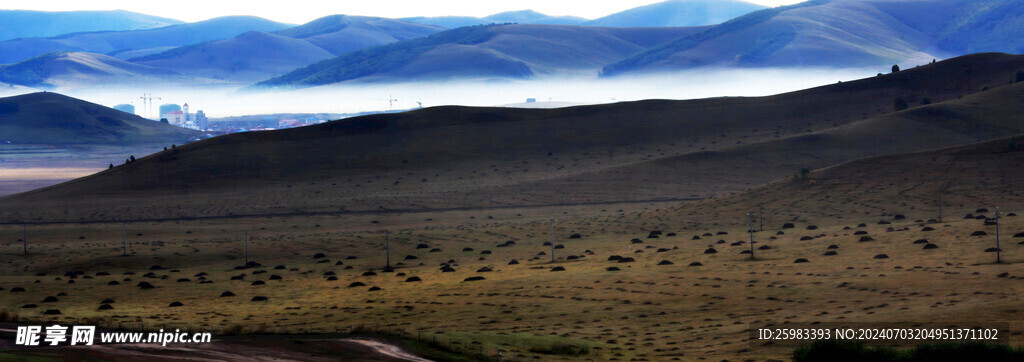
[181, 117]
[202, 121]
[176, 118]
[168, 108]
[126, 108]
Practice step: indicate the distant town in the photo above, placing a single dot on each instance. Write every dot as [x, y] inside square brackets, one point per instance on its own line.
[181, 116]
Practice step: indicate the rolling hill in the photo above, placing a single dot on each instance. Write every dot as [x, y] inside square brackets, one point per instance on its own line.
[54, 119]
[841, 33]
[513, 51]
[340, 34]
[678, 13]
[520, 17]
[463, 157]
[249, 57]
[115, 42]
[41, 24]
[72, 69]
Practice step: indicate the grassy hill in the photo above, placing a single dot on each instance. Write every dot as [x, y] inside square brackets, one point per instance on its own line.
[76, 68]
[114, 42]
[678, 13]
[840, 33]
[39, 24]
[448, 156]
[54, 119]
[519, 16]
[249, 57]
[489, 247]
[513, 51]
[340, 34]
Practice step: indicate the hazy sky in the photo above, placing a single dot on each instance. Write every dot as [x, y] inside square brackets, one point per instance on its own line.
[301, 11]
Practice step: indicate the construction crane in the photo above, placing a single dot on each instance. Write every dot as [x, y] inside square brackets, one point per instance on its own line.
[147, 103]
[391, 102]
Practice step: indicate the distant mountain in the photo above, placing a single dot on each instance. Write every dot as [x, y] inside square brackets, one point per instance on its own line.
[519, 17]
[679, 13]
[51, 118]
[75, 68]
[533, 17]
[505, 51]
[843, 33]
[450, 156]
[249, 57]
[340, 34]
[115, 42]
[31, 24]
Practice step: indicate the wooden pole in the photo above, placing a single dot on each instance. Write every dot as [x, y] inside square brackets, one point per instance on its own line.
[247, 247]
[387, 247]
[998, 260]
[24, 238]
[124, 238]
[751, 215]
[552, 240]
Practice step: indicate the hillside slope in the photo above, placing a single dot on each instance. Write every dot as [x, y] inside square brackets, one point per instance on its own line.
[54, 119]
[249, 57]
[447, 157]
[35, 24]
[70, 69]
[678, 13]
[340, 34]
[512, 51]
[115, 42]
[841, 33]
[518, 16]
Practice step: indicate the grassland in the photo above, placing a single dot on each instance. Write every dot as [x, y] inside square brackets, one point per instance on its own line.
[449, 199]
[644, 310]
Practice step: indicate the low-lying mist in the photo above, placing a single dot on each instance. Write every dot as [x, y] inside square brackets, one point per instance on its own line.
[223, 101]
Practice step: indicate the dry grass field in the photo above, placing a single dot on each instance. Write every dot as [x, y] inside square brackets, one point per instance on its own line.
[649, 233]
[644, 310]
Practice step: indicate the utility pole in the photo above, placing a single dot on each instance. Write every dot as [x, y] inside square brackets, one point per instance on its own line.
[387, 247]
[998, 260]
[751, 215]
[247, 247]
[761, 217]
[124, 238]
[940, 206]
[552, 240]
[24, 237]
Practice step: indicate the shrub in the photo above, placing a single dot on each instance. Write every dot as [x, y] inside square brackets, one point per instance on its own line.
[895, 68]
[898, 104]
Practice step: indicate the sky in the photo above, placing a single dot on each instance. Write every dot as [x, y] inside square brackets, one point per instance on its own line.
[302, 11]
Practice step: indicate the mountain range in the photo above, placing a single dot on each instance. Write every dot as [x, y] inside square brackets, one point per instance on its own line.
[525, 44]
[504, 51]
[842, 33]
[36, 24]
[489, 157]
[133, 43]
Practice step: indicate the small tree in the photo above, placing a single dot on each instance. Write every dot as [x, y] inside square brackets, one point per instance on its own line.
[895, 68]
[899, 104]
[132, 158]
[164, 120]
[111, 166]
